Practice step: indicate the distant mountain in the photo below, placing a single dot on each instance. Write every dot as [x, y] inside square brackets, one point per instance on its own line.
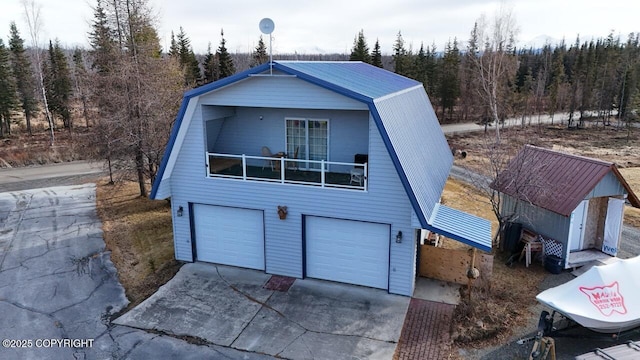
[540, 41]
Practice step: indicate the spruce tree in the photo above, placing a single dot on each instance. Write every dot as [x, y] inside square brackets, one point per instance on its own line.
[184, 52]
[8, 98]
[360, 50]
[449, 80]
[225, 62]
[103, 42]
[376, 55]
[259, 55]
[210, 65]
[58, 83]
[173, 47]
[400, 58]
[23, 75]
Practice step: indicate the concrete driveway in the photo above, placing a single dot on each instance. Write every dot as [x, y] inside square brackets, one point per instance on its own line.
[57, 282]
[313, 319]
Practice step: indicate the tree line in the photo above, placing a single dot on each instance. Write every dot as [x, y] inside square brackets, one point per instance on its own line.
[127, 89]
[599, 75]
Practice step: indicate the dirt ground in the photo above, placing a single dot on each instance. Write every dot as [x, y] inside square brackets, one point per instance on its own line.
[608, 144]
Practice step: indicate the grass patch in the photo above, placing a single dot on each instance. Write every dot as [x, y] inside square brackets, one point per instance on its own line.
[138, 233]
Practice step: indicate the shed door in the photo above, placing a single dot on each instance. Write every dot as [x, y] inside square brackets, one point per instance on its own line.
[613, 226]
[576, 229]
[347, 251]
[229, 236]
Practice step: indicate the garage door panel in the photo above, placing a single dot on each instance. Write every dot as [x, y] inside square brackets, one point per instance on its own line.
[347, 251]
[230, 236]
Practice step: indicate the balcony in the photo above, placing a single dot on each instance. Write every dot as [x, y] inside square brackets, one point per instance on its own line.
[279, 169]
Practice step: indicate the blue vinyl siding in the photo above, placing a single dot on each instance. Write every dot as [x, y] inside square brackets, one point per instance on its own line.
[608, 186]
[279, 92]
[370, 110]
[246, 134]
[385, 202]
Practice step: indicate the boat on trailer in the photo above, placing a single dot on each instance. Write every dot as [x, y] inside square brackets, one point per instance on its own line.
[605, 299]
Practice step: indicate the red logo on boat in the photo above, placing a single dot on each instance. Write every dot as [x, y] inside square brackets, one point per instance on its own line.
[606, 298]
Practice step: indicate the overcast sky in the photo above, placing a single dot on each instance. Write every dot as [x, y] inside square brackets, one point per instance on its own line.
[328, 26]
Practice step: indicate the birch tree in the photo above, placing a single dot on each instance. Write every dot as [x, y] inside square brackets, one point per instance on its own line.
[34, 22]
[497, 62]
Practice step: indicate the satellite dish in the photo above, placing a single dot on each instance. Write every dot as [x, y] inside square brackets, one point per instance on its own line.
[266, 26]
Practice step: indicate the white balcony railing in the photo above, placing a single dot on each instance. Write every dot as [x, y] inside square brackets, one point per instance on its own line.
[329, 174]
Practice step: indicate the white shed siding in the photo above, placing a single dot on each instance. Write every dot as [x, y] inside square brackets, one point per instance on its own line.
[280, 92]
[385, 202]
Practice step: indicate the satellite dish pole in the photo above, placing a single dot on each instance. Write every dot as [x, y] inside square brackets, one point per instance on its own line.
[266, 27]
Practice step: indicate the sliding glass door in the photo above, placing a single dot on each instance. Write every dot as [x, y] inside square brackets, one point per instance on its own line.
[307, 139]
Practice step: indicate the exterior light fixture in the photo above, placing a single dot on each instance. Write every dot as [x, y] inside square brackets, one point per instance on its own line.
[180, 211]
[399, 237]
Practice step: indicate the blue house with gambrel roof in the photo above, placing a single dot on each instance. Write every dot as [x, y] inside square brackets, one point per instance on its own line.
[325, 170]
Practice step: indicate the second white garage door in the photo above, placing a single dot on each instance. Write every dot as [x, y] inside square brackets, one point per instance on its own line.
[347, 251]
[230, 236]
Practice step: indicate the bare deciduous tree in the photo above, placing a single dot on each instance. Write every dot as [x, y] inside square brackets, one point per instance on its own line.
[138, 89]
[495, 64]
[34, 22]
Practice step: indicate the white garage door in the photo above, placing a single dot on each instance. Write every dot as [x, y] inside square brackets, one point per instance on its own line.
[229, 236]
[347, 251]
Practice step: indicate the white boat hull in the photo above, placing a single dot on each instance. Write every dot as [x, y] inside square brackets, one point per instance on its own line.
[605, 299]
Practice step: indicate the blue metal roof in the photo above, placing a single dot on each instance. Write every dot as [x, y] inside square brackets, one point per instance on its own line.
[460, 226]
[401, 110]
[359, 78]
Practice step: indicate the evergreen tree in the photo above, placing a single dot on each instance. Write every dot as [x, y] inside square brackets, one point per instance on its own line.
[81, 77]
[556, 86]
[469, 84]
[103, 41]
[186, 58]
[400, 56]
[259, 55]
[58, 84]
[8, 99]
[173, 47]
[431, 68]
[225, 62]
[210, 66]
[376, 55]
[23, 75]
[360, 50]
[449, 81]
[420, 67]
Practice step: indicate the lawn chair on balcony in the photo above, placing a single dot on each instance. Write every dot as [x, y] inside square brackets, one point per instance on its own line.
[357, 173]
[266, 152]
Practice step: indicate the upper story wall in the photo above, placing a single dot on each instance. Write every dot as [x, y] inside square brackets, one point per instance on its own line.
[279, 91]
[249, 129]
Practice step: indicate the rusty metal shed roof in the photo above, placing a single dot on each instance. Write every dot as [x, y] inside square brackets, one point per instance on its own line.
[554, 180]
